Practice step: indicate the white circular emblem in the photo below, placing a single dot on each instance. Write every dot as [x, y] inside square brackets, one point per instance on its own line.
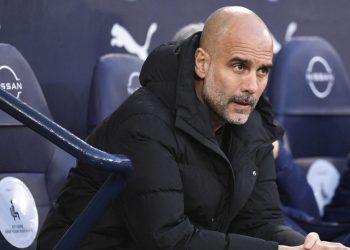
[323, 178]
[18, 213]
[319, 78]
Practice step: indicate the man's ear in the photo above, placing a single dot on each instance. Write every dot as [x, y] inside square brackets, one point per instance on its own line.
[201, 61]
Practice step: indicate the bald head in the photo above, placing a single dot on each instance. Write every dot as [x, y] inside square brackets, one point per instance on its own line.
[232, 64]
[233, 22]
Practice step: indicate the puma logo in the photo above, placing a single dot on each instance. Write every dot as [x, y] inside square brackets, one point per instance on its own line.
[122, 38]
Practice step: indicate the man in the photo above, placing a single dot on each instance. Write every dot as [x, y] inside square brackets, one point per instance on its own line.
[203, 176]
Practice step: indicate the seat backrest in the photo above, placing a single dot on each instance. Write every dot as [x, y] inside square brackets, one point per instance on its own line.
[309, 89]
[38, 163]
[115, 77]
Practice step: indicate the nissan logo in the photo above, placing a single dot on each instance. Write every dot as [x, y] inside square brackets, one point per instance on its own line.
[318, 79]
[14, 85]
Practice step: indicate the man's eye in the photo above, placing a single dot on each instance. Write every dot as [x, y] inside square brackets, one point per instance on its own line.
[238, 66]
[264, 71]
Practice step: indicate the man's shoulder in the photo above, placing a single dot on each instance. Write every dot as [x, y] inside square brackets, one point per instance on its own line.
[143, 103]
[142, 114]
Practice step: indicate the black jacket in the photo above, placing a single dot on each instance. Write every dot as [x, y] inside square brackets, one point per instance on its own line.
[187, 191]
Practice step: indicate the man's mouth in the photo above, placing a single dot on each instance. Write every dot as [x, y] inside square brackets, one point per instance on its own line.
[243, 101]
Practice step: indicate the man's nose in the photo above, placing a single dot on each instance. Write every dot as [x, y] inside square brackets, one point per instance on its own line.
[250, 83]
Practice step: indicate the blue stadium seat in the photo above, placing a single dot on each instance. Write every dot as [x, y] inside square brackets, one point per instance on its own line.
[309, 89]
[24, 154]
[13, 191]
[115, 77]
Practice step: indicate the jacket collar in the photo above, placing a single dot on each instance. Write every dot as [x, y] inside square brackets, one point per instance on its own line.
[169, 73]
[189, 109]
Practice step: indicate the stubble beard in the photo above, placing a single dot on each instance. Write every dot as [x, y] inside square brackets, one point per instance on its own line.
[219, 102]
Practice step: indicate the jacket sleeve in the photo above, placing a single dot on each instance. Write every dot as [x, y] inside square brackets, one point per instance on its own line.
[261, 216]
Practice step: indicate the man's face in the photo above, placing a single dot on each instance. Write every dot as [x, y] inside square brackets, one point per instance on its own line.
[237, 76]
